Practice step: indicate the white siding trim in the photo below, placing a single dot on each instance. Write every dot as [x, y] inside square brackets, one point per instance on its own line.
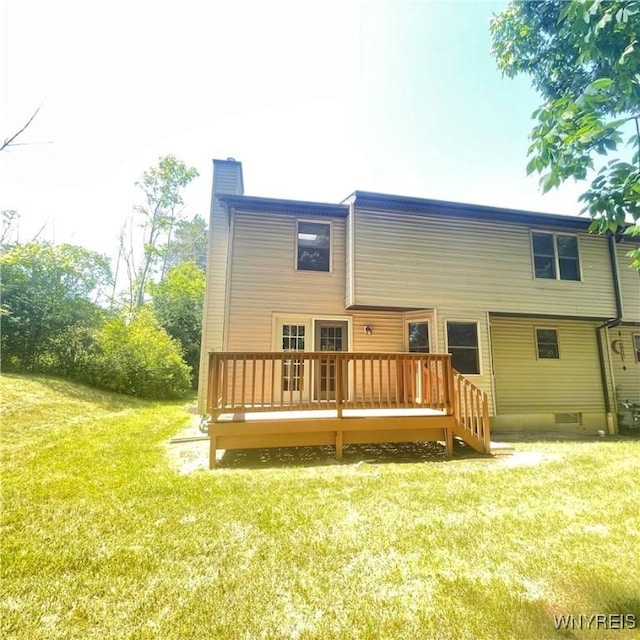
[350, 252]
[229, 283]
[636, 359]
[414, 316]
[492, 367]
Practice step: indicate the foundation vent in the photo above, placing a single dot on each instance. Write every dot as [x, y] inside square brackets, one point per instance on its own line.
[567, 418]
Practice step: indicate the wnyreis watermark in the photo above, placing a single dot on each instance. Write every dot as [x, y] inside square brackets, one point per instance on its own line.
[596, 621]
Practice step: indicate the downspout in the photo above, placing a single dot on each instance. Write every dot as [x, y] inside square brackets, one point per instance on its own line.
[609, 324]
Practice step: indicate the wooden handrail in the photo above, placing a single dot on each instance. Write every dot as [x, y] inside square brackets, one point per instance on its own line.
[471, 411]
[243, 382]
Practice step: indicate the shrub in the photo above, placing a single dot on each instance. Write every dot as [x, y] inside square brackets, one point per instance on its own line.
[140, 359]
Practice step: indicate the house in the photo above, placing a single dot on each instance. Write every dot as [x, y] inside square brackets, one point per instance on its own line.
[537, 314]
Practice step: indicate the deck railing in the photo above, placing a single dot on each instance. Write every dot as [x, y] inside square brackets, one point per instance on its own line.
[471, 412]
[243, 382]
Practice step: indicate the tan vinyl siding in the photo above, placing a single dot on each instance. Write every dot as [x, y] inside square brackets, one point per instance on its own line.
[626, 368]
[387, 331]
[264, 280]
[411, 260]
[386, 337]
[629, 283]
[526, 384]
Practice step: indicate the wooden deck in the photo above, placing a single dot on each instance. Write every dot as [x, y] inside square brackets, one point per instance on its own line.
[335, 398]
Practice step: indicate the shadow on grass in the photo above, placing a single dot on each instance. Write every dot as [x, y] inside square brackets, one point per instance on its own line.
[397, 453]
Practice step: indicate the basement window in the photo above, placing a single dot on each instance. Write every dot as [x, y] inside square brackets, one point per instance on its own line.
[547, 344]
[555, 256]
[313, 246]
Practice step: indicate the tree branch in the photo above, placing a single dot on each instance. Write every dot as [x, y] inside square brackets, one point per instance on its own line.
[9, 141]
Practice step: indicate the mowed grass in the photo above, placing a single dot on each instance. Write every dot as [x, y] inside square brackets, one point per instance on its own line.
[102, 537]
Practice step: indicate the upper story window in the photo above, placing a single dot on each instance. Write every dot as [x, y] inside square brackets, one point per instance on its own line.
[555, 256]
[462, 343]
[313, 246]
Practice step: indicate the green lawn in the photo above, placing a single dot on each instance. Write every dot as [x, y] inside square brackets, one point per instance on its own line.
[102, 537]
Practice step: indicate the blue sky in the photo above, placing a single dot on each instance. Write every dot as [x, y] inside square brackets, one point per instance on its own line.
[317, 99]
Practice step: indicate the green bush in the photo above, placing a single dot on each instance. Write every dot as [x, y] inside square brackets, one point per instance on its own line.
[178, 301]
[140, 359]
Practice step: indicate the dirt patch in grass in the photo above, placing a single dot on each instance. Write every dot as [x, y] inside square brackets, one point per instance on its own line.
[188, 450]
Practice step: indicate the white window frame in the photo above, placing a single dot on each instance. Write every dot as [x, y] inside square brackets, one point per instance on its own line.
[414, 320]
[556, 255]
[295, 245]
[309, 322]
[636, 349]
[535, 339]
[286, 365]
[478, 336]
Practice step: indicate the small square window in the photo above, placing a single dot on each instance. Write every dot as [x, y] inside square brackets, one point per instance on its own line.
[313, 246]
[547, 344]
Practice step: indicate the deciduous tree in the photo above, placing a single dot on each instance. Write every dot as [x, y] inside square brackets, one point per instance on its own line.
[48, 291]
[584, 59]
[178, 302]
[189, 243]
[162, 188]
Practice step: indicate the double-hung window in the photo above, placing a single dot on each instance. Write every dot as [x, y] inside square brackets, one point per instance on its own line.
[547, 344]
[555, 256]
[462, 343]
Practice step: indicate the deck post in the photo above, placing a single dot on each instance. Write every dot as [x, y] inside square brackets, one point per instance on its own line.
[339, 444]
[486, 430]
[339, 390]
[214, 385]
[212, 447]
[448, 433]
